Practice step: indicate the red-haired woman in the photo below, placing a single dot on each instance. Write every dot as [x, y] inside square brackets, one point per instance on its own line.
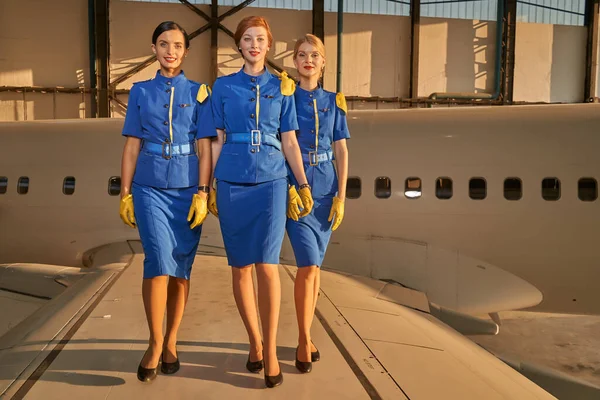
[255, 117]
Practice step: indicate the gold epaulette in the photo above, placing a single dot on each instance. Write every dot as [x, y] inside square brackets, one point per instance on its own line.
[288, 86]
[340, 101]
[203, 93]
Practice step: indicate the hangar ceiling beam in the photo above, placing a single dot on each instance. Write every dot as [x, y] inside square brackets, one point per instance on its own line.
[318, 19]
[415, 27]
[591, 70]
[99, 58]
[508, 57]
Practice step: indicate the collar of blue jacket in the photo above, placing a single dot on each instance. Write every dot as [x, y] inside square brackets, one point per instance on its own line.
[159, 78]
[261, 79]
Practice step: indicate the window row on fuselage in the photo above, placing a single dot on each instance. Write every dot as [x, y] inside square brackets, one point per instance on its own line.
[550, 188]
[587, 187]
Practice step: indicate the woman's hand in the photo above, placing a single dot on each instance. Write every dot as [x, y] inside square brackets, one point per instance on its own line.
[337, 213]
[126, 210]
[294, 203]
[198, 210]
[212, 203]
[307, 201]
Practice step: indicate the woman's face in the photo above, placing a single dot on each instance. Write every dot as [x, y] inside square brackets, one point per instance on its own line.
[254, 44]
[170, 49]
[309, 62]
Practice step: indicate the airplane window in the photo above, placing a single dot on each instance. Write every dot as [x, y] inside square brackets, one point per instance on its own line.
[412, 188]
[353, 187]
[443, 188]
[513, 189]
[114, 186]
[551, 189]
[383, 187]
[69, 185]
[587, 189]
[3, 184]
[477, 188]
[23, 185]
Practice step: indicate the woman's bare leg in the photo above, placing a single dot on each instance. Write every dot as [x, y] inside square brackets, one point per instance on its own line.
[243, 292]
[154, 294]
[269, 302]
[305, 299]
[178, 290]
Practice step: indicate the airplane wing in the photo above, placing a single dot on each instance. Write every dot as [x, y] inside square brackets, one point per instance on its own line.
[87, 342]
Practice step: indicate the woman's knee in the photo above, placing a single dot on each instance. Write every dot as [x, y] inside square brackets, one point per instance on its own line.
[307, 273]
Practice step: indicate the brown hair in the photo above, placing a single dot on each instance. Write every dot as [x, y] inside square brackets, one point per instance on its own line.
[251, 22]
[312, 40]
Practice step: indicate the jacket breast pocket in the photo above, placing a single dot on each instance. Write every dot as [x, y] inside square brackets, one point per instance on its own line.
[270, 108]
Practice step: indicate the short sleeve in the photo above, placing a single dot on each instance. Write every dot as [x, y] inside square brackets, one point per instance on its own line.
[288, 120]
[340, 125]
[133, 122]
[205, 121]
[216, 101]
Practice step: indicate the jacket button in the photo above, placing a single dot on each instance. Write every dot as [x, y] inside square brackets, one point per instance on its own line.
[312, 146]
[252, 116]
[166, 106]
[253, 89]
[168, 91]
[252, 150]
[310, 95]
[312, 131]
[253, 99]
[166, 123]
[169, 83]
[253, 79]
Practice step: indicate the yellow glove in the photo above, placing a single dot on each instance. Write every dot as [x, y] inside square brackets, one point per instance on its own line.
[212, 203]
[337, 209]
[198, 210]
[307, 201]
[126, 210]
[294, 203]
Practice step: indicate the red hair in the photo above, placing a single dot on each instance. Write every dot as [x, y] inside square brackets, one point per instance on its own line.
[252, 22]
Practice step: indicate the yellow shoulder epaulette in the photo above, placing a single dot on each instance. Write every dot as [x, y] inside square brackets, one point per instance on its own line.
[203, 93]
[288, 86]
[340, 101]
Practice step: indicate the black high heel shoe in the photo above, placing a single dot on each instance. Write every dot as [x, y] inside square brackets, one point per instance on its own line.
[303, 366]
[254, 366]
[274, 380]
[315, 355]
[169, 368]
[147, 374]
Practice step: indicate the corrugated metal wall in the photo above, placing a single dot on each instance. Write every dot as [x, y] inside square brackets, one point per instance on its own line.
[558, 12]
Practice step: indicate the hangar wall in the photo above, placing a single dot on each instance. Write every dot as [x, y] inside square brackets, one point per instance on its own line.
[46, 44]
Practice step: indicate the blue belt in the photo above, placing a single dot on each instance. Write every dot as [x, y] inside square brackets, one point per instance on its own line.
[314, 158]
[254, 138]
[167, 150]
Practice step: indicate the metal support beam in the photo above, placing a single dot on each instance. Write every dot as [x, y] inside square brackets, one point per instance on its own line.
[591, 70]
[415, 27]
[318, 19]
[508, 55]
[214, 39]
[340, 31]
[92, 59]
[101, 8]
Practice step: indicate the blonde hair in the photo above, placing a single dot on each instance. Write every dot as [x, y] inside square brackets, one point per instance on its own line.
[312, 40]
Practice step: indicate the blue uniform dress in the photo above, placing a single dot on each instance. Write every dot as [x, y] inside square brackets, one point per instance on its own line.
[310, 235]
[251, 173]
[168, 114]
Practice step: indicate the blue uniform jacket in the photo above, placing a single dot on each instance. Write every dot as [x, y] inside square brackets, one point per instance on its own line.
[244, 105]
[332, 126]
[164, 111]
